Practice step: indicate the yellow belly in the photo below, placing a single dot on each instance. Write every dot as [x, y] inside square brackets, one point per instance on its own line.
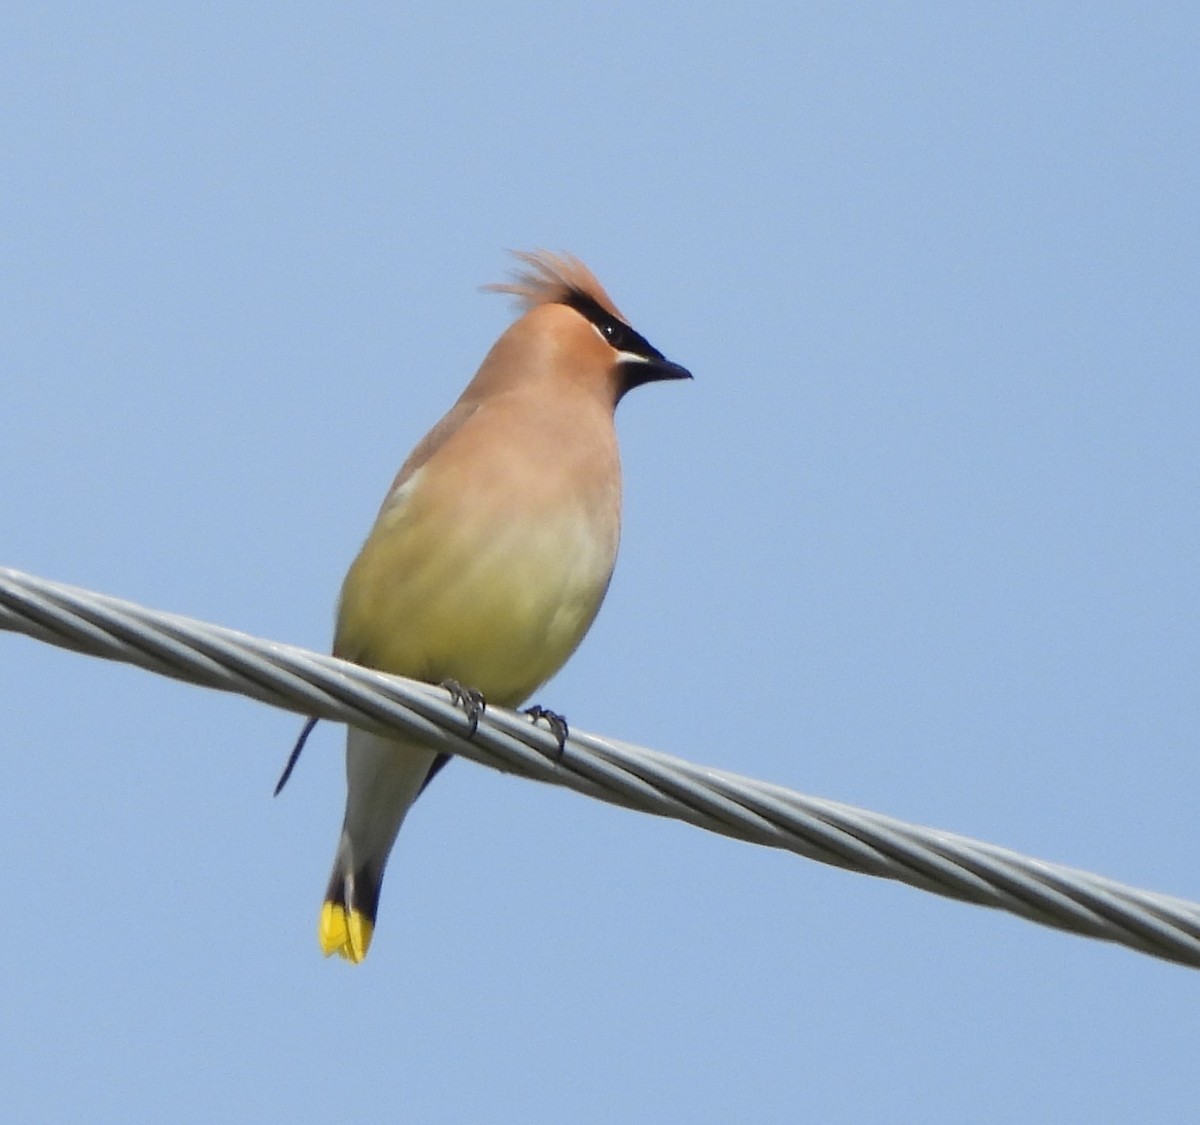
[498, 605]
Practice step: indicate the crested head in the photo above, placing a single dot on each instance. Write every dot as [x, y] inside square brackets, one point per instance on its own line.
[550, 279]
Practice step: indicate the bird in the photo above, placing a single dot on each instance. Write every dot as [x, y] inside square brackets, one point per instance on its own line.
[492, 550]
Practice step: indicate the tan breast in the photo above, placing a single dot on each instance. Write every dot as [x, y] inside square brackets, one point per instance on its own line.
[489, 563]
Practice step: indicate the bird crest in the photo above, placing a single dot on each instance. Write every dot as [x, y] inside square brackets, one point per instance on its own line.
[554, 279]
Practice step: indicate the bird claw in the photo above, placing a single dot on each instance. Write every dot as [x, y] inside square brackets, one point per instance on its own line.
[556, 722]
[470, 700]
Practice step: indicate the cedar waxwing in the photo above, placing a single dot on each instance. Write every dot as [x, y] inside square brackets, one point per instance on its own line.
[492, 551]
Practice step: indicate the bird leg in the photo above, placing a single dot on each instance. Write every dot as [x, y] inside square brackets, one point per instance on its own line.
[470, 700]
[556, 722]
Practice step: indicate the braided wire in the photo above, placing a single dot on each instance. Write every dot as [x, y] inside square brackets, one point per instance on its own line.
[632, 776]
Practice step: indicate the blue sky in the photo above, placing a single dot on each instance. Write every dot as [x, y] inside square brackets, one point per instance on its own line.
[921, 536]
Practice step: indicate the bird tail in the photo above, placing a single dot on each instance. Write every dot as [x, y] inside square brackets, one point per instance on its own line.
[383, 778]
[348, 913]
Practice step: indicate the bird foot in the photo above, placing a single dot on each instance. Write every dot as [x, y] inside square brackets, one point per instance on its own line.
[556, 722]
[470, 700]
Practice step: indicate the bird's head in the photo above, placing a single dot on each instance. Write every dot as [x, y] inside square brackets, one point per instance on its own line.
[573, 324]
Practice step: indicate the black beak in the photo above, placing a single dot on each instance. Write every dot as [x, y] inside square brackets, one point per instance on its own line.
[635, 372]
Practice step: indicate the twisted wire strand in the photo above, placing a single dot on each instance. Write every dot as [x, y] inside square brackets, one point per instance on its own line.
[623, 774]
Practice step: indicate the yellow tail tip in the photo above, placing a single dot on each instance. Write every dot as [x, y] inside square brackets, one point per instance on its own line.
[346, 933]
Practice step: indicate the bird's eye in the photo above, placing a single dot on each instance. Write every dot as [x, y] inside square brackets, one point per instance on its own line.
[611, 331]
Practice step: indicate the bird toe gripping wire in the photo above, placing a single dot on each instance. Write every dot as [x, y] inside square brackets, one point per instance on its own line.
[471, 701]
[309, 684]
[556, 722]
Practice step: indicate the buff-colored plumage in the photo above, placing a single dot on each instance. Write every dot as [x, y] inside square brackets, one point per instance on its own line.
[492, 551]
[550, 279]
